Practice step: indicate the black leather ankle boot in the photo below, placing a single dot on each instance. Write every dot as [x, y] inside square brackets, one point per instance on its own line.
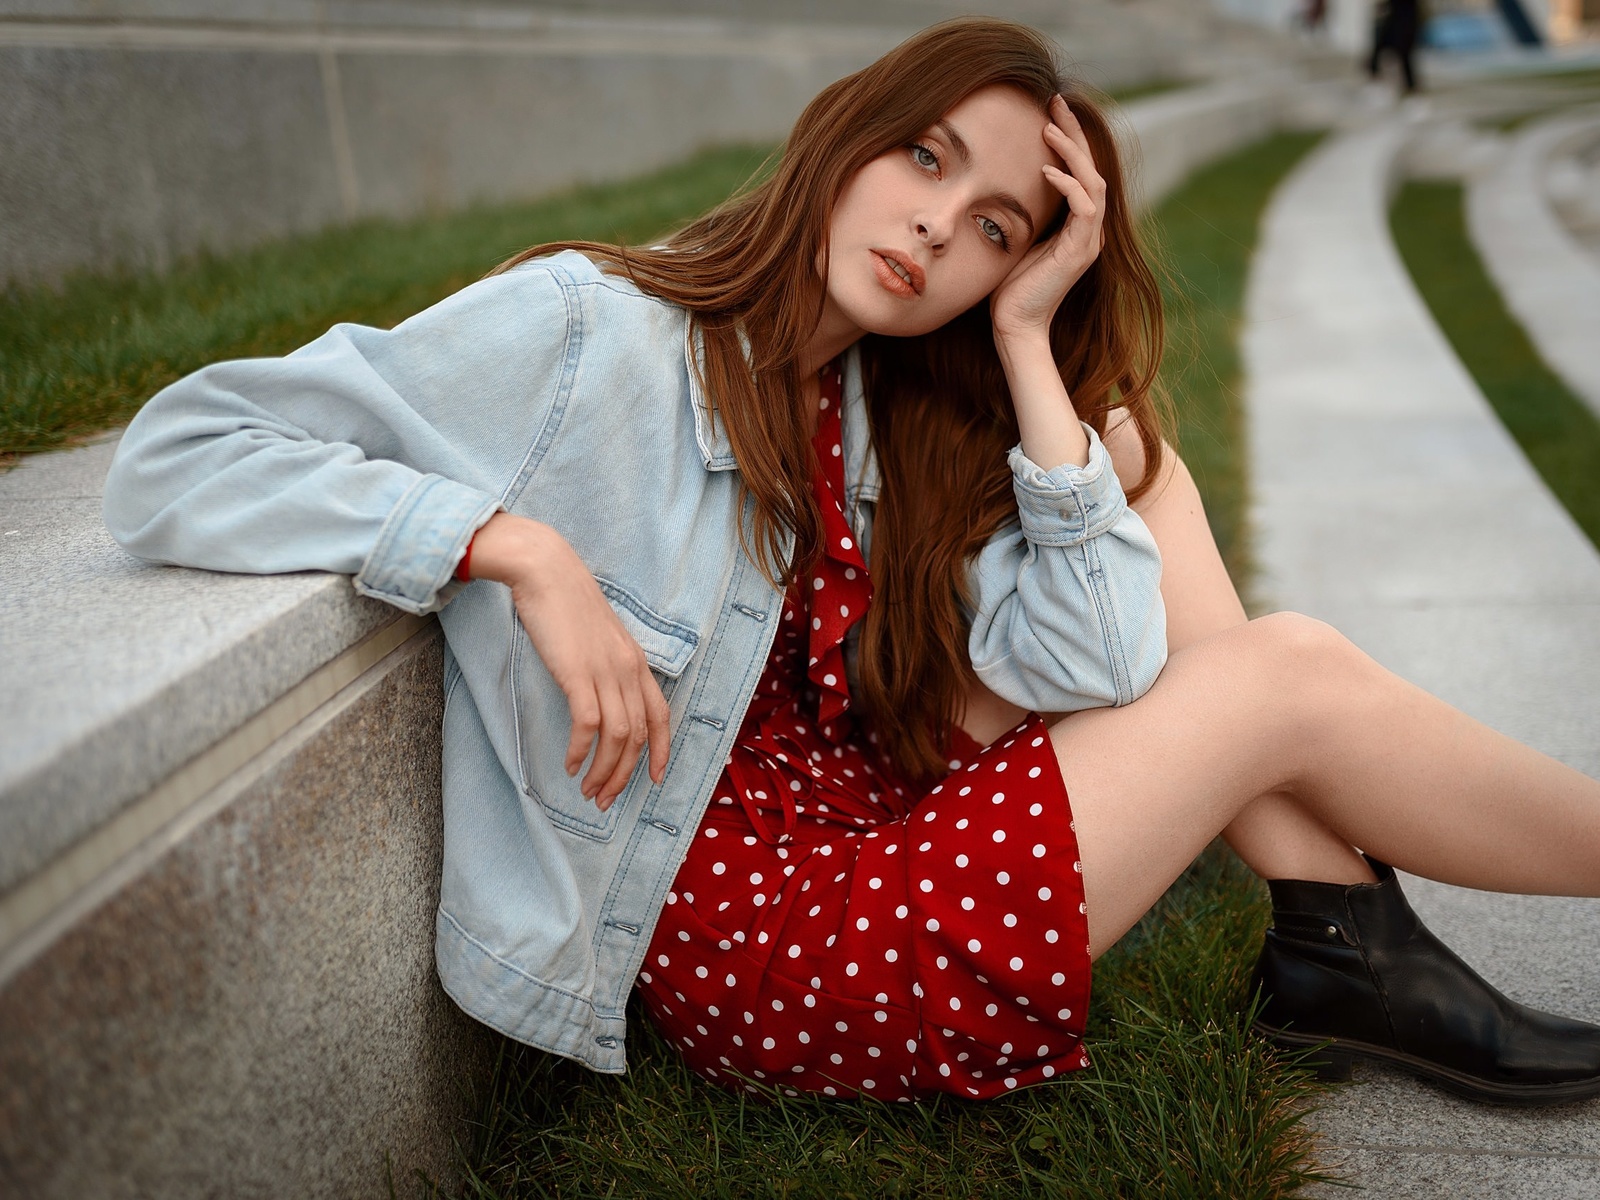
[1352, 966]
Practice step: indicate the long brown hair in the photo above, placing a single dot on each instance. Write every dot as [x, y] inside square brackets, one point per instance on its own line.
[940, 408]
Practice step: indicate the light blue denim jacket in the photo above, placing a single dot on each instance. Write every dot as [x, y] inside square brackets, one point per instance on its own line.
[564, 394]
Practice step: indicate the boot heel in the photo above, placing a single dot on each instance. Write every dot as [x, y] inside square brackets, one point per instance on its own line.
[1330, 1064]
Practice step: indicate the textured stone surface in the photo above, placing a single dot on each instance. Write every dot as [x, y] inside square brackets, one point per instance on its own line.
[1180, 131]
[138, 131]
[258, 1014]
[1389, 500]
[140, 146]
[156, 154]
[438, 131]
[1451, 1173]
[117, 671]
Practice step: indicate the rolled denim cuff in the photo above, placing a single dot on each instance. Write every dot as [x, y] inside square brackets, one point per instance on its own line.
[1069, 504]
[421, 542]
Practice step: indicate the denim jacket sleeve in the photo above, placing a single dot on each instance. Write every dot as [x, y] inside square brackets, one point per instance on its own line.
[368, 452]
[1068, 597]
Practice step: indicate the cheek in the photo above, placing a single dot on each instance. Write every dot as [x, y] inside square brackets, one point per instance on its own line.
[975, 278]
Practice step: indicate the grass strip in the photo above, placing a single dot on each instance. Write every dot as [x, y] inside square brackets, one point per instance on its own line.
[1181, 1100]
[1555, 429]
[1205, 231]
[82, 358]
[1150, 87]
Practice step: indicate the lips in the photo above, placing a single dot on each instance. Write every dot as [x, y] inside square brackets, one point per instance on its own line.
[899, 273]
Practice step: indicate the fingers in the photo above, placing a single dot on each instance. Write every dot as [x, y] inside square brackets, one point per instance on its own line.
[1081, 185]
[585, 706]
[658, 727]
[1078, 199]
[615, 702]
[622, 718]
[612, 740]
[611, 756]
[1064, 134]
[633, 739]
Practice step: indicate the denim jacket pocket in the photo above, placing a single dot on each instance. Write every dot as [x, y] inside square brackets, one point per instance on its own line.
[543, 718]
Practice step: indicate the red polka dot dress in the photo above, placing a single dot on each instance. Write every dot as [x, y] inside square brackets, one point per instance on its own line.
[834, 929]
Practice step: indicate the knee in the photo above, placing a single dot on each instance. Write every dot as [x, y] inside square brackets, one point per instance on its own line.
[1304, 650]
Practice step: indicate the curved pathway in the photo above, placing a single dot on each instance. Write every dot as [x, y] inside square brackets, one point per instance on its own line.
[1389, 500]
[1548, 278]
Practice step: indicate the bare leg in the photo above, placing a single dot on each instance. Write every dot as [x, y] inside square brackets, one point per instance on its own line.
[1275, 836]
[1171, 772]
[1286, 706]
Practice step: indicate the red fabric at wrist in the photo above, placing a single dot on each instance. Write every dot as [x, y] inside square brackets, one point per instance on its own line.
[464, 567]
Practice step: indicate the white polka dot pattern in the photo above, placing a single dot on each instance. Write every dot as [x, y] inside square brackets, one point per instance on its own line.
[870, 962]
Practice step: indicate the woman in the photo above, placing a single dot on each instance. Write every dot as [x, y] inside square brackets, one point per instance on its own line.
[857, 859]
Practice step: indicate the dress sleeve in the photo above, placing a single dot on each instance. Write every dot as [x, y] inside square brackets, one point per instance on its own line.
[1068, 597]
[374, 453]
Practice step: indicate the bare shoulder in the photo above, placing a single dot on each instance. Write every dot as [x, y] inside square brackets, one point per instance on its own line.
[1122, 443]
[1128, 457]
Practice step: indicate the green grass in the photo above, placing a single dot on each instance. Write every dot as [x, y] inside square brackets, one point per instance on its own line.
[79, 359]
[1512, 121]
[1585, 77]
[1556, 431]
[1207, 229]
[1150, 87]
[1181, 1101]
[1518, 79]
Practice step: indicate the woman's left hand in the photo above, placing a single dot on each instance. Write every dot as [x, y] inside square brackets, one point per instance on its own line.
[1027, 299]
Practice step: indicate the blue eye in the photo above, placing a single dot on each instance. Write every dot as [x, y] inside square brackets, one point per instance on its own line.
[924, 157]
[993, 231]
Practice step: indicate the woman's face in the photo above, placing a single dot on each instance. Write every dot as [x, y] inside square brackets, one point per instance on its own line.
[923, 232]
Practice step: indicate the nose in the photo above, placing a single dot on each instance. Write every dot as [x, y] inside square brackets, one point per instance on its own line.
[934, 227]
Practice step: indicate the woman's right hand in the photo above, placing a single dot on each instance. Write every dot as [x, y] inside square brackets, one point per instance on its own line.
[617, 706]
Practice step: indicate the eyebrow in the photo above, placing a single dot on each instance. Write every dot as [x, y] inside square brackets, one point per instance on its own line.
[957, 142]
[963, 152]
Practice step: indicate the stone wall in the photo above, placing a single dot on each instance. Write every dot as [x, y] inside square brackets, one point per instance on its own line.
[135, 143]
[256, 1014]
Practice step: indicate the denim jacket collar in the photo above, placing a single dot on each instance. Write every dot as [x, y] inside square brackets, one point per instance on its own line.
[863, 484]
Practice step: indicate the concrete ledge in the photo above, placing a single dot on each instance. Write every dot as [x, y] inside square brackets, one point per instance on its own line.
[1176, 132]
[1547, 277]
[256, 1013]
[123, 671]
[137, 142]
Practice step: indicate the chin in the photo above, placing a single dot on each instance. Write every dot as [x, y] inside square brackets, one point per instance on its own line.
[898, 319]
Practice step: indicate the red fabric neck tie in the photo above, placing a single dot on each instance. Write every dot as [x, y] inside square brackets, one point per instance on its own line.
[839, 588]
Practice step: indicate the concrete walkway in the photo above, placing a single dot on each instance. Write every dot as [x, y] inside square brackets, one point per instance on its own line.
[1546, 275]
[1389, 500]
